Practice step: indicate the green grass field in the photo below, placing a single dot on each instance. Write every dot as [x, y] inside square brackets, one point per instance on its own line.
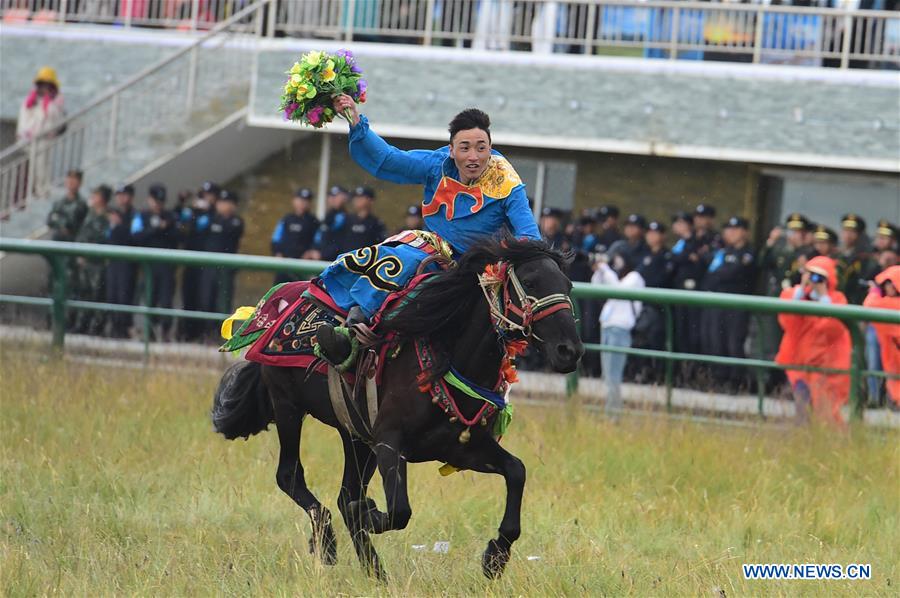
[112, 483]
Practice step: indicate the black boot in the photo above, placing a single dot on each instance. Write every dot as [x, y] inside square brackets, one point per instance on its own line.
[335, 345]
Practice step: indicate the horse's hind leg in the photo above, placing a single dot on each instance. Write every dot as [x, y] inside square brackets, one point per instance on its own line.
[290, 478]
[359, 466]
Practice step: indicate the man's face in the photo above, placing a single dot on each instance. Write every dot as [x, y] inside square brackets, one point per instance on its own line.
[703, 222]
[881, 242]
[734, 235]
[888, 258]
[682, 229]
[796, 238]
[73, 183]
[154, 206]
[44, 89]
[849, 237]
[336, 201]
[97, 203]
[889, 289]
[123, 200]
[654, 238]
[823, 247]
[633, 232]
[550, 225]
[471, 151]
[226, 208]
[301, 206]
[362, 204]
[611, 222]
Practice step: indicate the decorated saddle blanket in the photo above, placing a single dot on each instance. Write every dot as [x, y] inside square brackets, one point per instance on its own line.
[369, 275]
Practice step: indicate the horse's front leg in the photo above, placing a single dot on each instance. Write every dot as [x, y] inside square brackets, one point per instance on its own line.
[392, 467]
[490, 457]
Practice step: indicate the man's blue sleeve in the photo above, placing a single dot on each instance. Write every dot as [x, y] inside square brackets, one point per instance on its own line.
[277, 235]
[384, 161]
[518, 213]
[137, 224]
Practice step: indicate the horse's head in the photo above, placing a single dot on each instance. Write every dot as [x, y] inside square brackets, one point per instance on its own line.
[536, 300]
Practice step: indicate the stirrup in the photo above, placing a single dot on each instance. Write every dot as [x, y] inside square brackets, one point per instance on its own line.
[338, 331]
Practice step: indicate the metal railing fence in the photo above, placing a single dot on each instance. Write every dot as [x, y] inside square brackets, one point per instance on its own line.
[685, 29]
[58, 252]
[156, 100]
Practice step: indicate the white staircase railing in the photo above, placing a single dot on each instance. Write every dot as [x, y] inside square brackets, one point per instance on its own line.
[212, 72]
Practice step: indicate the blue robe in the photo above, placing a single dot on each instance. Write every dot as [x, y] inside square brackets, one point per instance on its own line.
[460, 214]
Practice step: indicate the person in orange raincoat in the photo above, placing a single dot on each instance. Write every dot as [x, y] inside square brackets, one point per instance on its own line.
[885, 294]
[816, 341]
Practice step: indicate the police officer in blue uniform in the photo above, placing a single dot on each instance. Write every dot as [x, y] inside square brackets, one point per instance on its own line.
[193, 226]
[295, 233]
[732, 269]
[156, 227]
[121, 275]
[225, 231]
[632, 247]
[362, 228]
[328, 239]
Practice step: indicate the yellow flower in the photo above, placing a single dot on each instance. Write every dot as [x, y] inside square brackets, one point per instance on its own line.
[296, 79]
[313, 58]
[288, 89]
[328, 74]
[305, 91]
[296, 68]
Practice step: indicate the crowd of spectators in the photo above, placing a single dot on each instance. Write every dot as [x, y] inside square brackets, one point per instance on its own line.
[800, 260]
[690, 253]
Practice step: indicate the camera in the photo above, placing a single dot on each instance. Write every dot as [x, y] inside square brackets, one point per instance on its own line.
[816, 278]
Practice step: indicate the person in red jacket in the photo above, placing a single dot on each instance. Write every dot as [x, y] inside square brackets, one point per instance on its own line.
[885, 294]
[816, 341]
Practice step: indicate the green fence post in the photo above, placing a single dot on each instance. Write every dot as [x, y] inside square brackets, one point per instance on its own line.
[670, 346]
[857, 365]
[148, 299]
[760, 377]
[59, 293]
[572, 379]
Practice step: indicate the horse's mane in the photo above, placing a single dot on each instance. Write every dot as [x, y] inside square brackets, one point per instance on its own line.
[449, 296]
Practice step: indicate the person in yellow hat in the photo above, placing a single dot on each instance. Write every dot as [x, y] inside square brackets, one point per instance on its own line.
[40, 118]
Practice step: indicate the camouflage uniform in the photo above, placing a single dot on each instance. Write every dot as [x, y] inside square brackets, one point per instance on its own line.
[64, 221]
[91, 274]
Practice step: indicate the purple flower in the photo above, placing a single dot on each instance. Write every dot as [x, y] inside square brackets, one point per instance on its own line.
[346, 55]
[315, 115]
[290, 110]
[361, 86]
[354, 68]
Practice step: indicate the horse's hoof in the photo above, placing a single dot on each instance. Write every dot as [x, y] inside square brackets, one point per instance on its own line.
[368, 517]
[494, 560]
[323, 543]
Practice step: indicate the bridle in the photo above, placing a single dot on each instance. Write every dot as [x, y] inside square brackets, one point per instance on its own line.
[500, 285]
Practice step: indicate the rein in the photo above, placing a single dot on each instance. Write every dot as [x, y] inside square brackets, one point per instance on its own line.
[495, 284]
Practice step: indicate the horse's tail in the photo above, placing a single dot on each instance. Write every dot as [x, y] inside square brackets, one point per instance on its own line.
[241, 405]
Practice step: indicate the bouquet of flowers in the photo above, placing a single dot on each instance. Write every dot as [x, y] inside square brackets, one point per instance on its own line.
[315, 81]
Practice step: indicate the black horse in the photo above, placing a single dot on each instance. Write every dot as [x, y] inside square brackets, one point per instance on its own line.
[452, 313]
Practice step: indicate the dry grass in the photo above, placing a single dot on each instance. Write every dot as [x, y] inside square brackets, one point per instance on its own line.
[112, 482]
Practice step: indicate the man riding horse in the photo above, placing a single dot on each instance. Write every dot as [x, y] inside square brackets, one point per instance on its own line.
[471, 192]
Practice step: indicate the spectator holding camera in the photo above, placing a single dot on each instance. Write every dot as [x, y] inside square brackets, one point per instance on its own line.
[816, 341]
[884, 293]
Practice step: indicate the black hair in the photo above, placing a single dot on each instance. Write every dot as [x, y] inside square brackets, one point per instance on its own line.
[470, 118]
[105, 192]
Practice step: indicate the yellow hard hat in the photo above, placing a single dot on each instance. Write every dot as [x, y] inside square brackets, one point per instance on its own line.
[47, 75]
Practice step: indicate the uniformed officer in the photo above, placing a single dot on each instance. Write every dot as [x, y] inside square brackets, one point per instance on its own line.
[64, 220]
[632, 247]
[193, 226]
[551, 228]
[294, 234]
[784, 254]
[688, 271]
[825, 242]
[412, 220]
[856, 265]
[92, 272]
[607, 218]
[156, 227]
[362, 228]
[731, 270]
[121, 275]
[887, 237]
[657, 269]
[328, 240]
[225, 231]
[67, 213]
